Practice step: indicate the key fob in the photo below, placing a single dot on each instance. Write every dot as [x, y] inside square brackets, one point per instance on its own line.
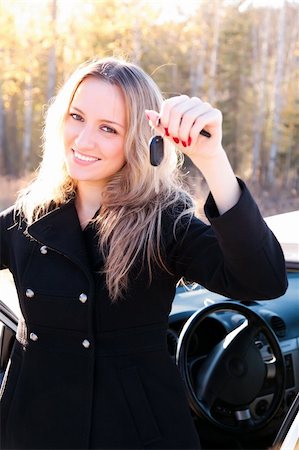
[156, 149]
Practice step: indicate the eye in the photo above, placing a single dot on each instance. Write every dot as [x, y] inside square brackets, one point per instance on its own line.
[76, 116]
[108, 129]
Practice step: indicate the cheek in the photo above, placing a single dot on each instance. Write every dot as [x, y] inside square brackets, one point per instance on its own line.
[121, 156]
[117, 152]
[68, 132]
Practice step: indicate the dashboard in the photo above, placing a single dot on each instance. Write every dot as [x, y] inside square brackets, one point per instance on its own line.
[282, 317]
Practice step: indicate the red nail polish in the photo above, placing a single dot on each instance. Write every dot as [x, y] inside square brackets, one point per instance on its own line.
[176, 140]
[184, 144]
[147, 115]
[189, 141]
[166, 131]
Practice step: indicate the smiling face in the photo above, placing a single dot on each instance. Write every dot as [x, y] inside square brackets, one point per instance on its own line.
[94, 132]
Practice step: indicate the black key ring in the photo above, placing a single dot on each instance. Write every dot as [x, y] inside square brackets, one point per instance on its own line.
[156, 148]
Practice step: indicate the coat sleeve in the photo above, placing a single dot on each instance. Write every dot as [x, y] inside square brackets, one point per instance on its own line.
[6, 224]
[237, 255]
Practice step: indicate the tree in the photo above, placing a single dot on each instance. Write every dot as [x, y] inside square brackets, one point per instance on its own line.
[277, 94]
[260, 57]
[243, 60]
[52, 51]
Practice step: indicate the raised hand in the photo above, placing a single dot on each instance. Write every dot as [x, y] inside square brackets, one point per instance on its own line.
[181, 119]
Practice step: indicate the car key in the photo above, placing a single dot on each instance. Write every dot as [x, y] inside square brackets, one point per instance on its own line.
[156, 148]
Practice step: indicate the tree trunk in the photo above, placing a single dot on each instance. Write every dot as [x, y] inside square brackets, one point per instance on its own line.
[28, 109]
[11, 141]
[260, 66]
[2, 168]
[52, 53]
[137, 35]
[277, 96]
[291, 79]
[197, 66]
[214, 51]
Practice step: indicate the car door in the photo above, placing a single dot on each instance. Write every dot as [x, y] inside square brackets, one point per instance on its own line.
[288, 435]
[8, 327]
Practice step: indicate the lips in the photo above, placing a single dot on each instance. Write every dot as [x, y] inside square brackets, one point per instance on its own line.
[84, 158]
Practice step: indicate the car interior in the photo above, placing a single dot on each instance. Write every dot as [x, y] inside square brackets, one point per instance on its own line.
[240, 365]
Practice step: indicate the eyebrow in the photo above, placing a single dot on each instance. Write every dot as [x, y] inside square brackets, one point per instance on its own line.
[102, 120]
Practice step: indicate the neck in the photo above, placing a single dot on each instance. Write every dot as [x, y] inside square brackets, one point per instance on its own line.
[88, 201]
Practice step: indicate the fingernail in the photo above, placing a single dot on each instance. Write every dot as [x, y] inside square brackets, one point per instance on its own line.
[184, 144]
[147, 115]
[166, 131]
[189, 141]
[176, 140]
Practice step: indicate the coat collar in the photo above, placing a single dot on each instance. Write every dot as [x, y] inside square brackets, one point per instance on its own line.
[60, 230]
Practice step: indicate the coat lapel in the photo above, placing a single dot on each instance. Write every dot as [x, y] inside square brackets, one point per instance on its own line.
[60, 230]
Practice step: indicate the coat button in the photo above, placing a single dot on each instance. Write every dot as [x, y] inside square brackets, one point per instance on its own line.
[86, 343]
[29, 293]
[44, 250]
[82, 297]
[33, 337]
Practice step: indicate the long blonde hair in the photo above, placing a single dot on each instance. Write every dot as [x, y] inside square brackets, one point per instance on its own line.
[129, 220]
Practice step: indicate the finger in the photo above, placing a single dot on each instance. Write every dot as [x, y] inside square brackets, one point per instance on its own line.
[210, 121]
[167, 106]
[154, 120]
[190, 116]
[177, 113]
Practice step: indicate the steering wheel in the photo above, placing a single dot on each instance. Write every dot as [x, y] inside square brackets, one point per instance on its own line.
[222, 385]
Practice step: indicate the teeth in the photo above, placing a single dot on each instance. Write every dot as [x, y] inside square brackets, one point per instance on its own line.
[84, 158]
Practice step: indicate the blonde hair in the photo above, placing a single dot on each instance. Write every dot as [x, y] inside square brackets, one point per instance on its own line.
[129, 220]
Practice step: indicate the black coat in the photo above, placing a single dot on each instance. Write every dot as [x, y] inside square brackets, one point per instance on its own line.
[86, 373]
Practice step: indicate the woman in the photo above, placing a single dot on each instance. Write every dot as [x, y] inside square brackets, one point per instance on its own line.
[97, 244]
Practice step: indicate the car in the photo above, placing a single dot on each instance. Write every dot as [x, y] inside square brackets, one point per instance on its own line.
[239, 360]
[288, 435]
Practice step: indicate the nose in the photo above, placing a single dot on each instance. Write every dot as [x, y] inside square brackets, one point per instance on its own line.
[85, 139]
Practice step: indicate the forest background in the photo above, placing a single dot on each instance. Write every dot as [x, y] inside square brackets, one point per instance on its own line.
[241, 56]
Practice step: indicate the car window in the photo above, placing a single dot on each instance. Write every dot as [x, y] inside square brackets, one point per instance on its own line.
[7, 338]
[8, 293]
[285, 227]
